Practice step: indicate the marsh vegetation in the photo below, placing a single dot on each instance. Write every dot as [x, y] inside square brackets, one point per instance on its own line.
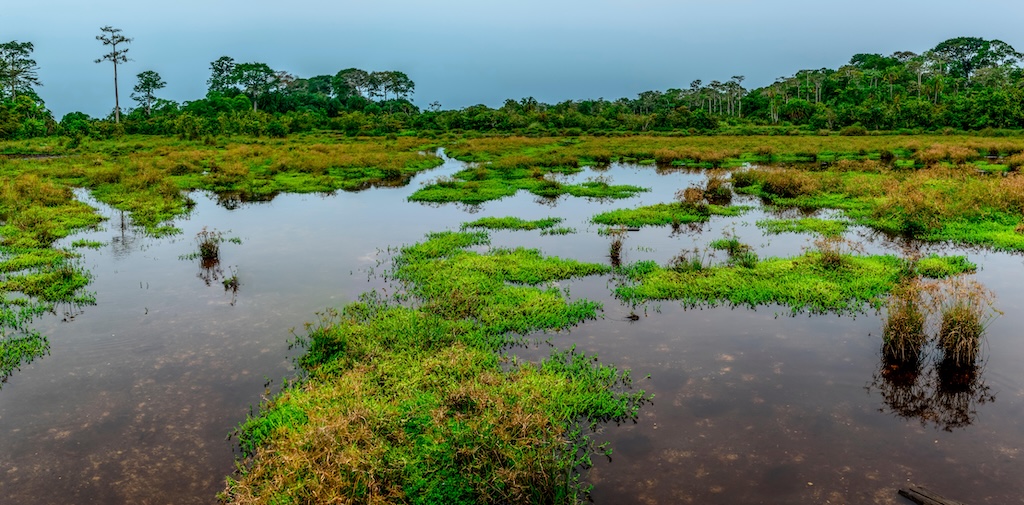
[433, 382]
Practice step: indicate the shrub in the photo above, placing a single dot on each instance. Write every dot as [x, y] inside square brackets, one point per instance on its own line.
[853, 131]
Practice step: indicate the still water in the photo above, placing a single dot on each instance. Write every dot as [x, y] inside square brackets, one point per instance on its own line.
[137, 398]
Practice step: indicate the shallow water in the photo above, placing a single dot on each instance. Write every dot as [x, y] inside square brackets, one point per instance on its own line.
[139, 393]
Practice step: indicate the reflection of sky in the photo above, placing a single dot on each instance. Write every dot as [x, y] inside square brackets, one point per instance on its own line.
[462, 53]
[750, 406]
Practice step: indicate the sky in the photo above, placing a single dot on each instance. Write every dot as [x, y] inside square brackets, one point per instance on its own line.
[466, 52]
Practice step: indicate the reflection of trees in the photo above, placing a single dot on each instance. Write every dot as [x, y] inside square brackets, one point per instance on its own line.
[122, 244]
[943, 395]
[233, 200]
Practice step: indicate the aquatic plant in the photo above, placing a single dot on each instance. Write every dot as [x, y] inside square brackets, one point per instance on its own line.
[209, 245]
[966, 308]
[688, 261]
[512, 223]
[662, 214]
[903, 334]
[824, 227]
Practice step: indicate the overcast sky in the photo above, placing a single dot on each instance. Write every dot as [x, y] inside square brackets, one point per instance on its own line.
[465, 52]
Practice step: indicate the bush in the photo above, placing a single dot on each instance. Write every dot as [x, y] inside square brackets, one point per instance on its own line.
[853, 131]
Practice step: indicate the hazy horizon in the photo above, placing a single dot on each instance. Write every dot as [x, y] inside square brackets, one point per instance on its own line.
[462, 53]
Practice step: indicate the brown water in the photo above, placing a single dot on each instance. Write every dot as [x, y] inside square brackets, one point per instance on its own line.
[136, 400]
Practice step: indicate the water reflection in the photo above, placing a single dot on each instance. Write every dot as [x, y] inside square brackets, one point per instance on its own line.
[233, 200]
[943, 395]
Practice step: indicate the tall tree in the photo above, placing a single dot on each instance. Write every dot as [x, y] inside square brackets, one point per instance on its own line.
[221, 70]
[112, 37]
[258, 79]
[17, 70]
[351, 80]
[965, 55]
[149, 83]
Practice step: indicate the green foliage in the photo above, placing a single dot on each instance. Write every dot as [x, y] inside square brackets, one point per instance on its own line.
[415, 405]
[665, 214]
[513, 223]
[802, 283]
[823, 227]
[514, 172]
[938, 267]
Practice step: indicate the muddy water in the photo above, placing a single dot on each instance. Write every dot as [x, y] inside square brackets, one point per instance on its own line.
[140, 391]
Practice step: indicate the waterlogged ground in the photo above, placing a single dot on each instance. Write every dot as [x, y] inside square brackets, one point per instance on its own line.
[139, 392]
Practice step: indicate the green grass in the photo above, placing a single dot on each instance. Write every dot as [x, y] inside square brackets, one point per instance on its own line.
[417, 405]
[512, 223]
[803, 283]
[559, 230]
[665, 214]
[811, 225]
[937, 267]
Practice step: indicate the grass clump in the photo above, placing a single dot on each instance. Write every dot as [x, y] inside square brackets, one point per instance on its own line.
[416, 405]
[965, 310]
[664, 214]
[823, 227]
[513, 223]
[803, 283]
[903, 334]
[938, 267]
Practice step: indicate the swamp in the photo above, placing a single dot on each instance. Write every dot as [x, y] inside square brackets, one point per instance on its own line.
[511, 319]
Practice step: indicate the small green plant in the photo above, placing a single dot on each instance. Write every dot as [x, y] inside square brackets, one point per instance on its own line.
[745, 259]
[688, 261]
[833, 250]
[730, 244]
[209, 245]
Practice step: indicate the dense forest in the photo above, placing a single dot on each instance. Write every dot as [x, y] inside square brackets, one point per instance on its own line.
[965, 83]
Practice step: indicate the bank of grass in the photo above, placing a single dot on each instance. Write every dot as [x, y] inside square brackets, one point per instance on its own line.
[725, 151]
[147, 176]
[665, 214]
[819, 281]
[942, 203]
[417, 405]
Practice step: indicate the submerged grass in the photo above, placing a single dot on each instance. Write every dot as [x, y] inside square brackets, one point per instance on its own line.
[416, 405]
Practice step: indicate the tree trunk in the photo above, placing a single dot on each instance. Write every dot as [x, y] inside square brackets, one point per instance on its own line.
[117, 102]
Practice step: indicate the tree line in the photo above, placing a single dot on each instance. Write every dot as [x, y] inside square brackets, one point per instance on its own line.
[964, 83]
